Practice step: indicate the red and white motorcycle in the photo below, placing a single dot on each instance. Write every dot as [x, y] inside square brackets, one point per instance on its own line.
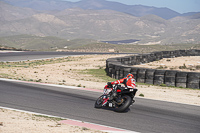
[123, 98]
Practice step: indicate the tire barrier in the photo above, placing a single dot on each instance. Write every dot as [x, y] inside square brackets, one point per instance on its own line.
[193, 80]
[170, 78]
[141, 75]
[119, 67]
[181, 79]
[149, 77]
[159, 77]
[126, 70]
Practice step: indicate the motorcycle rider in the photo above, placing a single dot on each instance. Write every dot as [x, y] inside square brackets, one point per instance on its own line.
[128, 81]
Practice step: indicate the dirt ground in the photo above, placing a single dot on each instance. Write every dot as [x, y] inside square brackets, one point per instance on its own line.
[188, 63]
[68, 73]
[19, 122]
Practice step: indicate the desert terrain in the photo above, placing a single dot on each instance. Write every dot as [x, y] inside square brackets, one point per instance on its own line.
[188, 63]
[73, 71]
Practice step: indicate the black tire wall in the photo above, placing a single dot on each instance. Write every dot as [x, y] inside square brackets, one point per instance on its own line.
[118, 68]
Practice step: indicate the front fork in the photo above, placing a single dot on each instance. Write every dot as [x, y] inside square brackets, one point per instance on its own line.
[107, 102]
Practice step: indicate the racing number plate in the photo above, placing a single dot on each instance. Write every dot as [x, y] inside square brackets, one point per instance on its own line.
[131, 90]
[110, 104]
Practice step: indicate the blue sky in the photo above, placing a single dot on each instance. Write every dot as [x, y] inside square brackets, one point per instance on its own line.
[181, 6]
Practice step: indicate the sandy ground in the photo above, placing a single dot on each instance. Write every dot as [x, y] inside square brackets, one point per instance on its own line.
[188, 63]
[69, 73]
[19, 122]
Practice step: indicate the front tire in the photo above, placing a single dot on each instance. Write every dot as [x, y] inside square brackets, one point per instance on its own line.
[99, 102]
[124, 105]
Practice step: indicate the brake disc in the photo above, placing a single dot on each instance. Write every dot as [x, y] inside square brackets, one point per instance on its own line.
[122, 100]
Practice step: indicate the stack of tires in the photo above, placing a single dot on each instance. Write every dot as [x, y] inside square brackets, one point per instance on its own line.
[183, 52]
[159, 77]
[121, 73]
[181, 79]
[141, 75]
[137, 60]
[113, 73]
[193, 80]
[144, 58]
[151, 57]
[166, 54]
[149, 76]
[158, 55]
[110, 69]
[126, 70]
[170, 78]
[126, 60]
[133, 60]
[117, 69]
[177, 53]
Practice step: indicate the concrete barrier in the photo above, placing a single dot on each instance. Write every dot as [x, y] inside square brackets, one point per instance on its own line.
[119, 67]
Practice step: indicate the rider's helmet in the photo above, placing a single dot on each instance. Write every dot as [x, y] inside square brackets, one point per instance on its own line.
[129, 75]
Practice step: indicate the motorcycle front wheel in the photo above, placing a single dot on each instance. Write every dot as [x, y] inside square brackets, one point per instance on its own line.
[126, 102]
[99, 102]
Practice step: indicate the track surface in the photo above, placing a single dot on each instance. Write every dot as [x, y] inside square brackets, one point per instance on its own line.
[30, 55]
[144, 116]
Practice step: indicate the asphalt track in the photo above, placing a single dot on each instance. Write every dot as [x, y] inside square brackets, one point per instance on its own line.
[144, 116]
[34, 55]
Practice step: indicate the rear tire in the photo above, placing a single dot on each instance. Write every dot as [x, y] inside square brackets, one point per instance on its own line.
[99, 102]
[122, 107]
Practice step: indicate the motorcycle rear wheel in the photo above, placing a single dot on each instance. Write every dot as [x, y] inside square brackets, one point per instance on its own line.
[99, 102]
[124, 105]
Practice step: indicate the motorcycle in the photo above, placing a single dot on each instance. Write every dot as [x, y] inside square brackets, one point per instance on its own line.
[123, 98]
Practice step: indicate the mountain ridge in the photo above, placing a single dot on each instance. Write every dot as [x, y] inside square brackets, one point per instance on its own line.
[136, 10]
[100, 25]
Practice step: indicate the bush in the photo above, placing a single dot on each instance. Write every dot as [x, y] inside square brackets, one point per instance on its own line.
[163, 85]
[79, 85]
[142, 95]
[183, 67]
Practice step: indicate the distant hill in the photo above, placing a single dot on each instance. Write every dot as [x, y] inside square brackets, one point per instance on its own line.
[42, 43]
[10, 13]
[100, 25]
[136, 10]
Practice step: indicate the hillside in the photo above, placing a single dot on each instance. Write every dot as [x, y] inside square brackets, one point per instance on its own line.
[12, 13]
[100, 25]
[135, 10]
[42, 43]
[50, 43]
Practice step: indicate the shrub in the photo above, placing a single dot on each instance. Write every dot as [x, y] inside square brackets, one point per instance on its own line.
[198, 67]
[183, 67]
[142, 95]
[39, 80]
[79, 85]
[163, 85]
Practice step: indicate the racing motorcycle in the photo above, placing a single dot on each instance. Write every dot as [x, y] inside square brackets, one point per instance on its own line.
[123, 97]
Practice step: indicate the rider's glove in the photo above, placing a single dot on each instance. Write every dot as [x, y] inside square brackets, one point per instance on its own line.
[109, 84]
